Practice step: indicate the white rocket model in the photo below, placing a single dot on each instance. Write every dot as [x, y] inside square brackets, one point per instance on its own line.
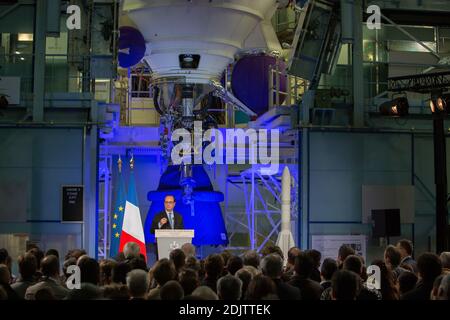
[285, 239]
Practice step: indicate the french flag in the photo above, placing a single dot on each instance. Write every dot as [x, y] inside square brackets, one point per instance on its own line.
[132, 230]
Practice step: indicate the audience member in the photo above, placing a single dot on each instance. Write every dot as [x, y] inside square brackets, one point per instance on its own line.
[229, 288]
[214, 266]
[234, 264]
[50, 279]
[272, 267]
[429, 267]
[188, 249]
[189, 281]
[245, 277]
[251, 258]
[406, 252]
[309, 289]
[172, 290]
[316, 256]
[138, 284]
[261, 287]
[344, 285]
[406, 282]
[162, 272]
[327, 270]
[354, 263]
[27, 269]
[5, 280]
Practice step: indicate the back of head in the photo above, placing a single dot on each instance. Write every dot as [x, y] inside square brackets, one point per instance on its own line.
[292, 254]
[38, 254]
[137, 283]
[260, 287]
[445, 259]
[106, 268]
[188, 249]
[53, 252]
[163, 271]
[392, 256]
[272, 249]
[50, 266]
[328, 268]
[304, 265]
[178, 258]
[5, 276]
[251, 258]
[214, 265]
[88, 291]
[406, 246]
[131, 250]
[69, 262]
[344, 252]
[444, 288]
[234, 264]
[272, 266]
[225, 254]
[189, 281]
[89, 269]
[353, 263]
[316, 256]
[138, 263]
[116, 292]
[192, 263]
[205, 293]
[27, 266]
[429, 266]
[171, 290]
[407, 281]
[3, 255]
[245, 277]
[75, 253]
[119, 272]
[344, 285]
[229, 288]
[253, 271]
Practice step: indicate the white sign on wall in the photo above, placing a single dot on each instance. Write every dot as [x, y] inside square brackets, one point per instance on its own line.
[10, 86]
[329, 245]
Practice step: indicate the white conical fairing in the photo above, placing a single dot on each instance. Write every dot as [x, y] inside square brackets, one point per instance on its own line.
[216, 30]
[285, 239]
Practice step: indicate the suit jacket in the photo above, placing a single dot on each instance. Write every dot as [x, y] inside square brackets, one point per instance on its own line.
[422, 291]
[410, 261]
[309, 289]
[286, 291]
[178, 221]
[58, 290]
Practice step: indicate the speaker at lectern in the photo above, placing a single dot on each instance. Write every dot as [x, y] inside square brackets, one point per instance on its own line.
[171, 239]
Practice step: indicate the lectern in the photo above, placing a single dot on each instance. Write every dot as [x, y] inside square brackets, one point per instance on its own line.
[170, 239]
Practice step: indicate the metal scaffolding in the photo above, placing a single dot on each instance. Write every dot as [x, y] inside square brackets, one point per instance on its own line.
[262, 217]
[104, 205]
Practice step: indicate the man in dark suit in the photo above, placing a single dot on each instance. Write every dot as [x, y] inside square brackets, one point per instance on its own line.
[167, 219]
[272, 267]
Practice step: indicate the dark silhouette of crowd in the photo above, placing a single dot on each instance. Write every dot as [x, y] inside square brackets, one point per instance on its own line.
[269, 275]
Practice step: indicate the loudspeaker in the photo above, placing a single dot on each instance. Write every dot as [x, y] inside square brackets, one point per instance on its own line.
[386, 223]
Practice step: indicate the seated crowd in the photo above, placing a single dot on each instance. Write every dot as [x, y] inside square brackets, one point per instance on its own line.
[250, 276]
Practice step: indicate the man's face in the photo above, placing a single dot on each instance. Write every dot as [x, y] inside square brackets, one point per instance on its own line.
[169, 203]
